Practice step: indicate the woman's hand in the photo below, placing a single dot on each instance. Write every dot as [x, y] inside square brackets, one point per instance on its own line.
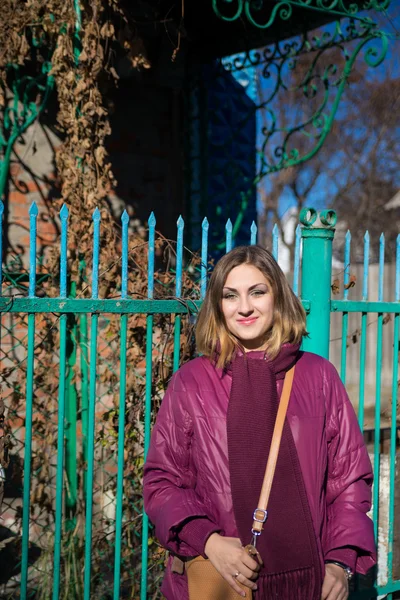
[335, 586]
[229, 557]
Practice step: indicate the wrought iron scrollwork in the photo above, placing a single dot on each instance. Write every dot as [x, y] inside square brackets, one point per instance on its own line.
[313, 70]
[300, 83]
[25, 99]
[255, 10]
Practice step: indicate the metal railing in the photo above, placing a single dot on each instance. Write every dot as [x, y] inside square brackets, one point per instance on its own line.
[312, 265]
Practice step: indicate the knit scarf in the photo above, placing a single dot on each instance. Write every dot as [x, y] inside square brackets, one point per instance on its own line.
[288, 543]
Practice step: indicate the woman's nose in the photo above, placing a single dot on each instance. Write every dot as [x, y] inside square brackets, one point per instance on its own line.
[245, 306]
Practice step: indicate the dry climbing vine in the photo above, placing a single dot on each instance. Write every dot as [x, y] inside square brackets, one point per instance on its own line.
[81, 50]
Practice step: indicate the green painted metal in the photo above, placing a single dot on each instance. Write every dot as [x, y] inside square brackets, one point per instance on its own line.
[345, 326]
[121, 439]
[393, 442]
[84, 363]
[71, 411]
[316, 286]
[78, 27]
[316, 292]
[345, 318]
[377, 591]
[363, 358]
[177, 342]
[147, 428]
[90, 461]
[377, 434]
[97, 306]
[279, 70]
[170, 307]
[28, 96]
[316, 283]
[84, 366]
[60, 458]
[263, 15]
[21, 113]
[361, 306]
[27, 456]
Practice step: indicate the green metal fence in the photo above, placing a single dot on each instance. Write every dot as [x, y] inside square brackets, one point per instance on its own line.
[82, 378]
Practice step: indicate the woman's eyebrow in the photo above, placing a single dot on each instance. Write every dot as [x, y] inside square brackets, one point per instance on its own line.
[250, 288]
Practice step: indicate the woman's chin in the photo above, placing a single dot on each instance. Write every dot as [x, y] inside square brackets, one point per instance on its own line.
[251, 343]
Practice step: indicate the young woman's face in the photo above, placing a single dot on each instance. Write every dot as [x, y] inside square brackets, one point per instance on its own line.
[248, 306]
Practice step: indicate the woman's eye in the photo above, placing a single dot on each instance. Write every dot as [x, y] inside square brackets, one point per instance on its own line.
[258, 292]
[229, 296]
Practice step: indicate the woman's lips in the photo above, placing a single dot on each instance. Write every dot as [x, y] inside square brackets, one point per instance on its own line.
[249, 321]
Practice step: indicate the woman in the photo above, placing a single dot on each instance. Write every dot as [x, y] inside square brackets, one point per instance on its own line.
[210, 444]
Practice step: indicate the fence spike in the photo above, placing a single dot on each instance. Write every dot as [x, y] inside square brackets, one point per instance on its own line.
[124, 262]
[366, 266]
[347, 256]
[179, 256]
[33, 210]
[151, 252]
[275, 241]
[397, 285]
[125, 217]
[96, 214]
[363, 340]
[296, 267]
[33, 213]
[64, 251]
[378, 388]
[381, 265]
[64, 212]
[61, 404]
[253, 232]
[204, 257]
[96, 251]
[228, 233]
[394, 420]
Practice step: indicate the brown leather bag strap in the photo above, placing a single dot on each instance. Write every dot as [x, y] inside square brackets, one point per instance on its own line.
[260, 514]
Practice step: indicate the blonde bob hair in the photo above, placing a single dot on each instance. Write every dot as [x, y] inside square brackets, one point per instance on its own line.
[289, 321]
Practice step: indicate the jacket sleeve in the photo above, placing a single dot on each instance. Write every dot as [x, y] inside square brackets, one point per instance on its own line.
[181, 521]
[349, 536]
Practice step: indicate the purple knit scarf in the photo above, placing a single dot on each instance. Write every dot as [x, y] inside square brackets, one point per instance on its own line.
[288, 543]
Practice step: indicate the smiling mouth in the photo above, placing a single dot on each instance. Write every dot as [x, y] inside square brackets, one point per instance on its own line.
[247, 321]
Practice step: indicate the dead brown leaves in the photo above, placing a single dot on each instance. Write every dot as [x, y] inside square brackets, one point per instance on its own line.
[335, 286]
[86, 178]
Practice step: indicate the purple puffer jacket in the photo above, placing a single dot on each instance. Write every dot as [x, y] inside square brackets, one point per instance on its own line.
[186, 482]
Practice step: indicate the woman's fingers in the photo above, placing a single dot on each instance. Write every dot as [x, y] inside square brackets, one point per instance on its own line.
[250, 562]
[234, 584]
[232, 562]
[335, 586]
[245, 581]
[334, 590]
[338, 592]
[247, 573]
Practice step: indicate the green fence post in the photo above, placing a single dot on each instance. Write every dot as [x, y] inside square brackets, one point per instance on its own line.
[84, 409]
[84, 376]
[71, 421]
[316, 277]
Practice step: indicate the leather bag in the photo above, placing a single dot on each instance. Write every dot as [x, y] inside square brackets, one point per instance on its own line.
[204, 581]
